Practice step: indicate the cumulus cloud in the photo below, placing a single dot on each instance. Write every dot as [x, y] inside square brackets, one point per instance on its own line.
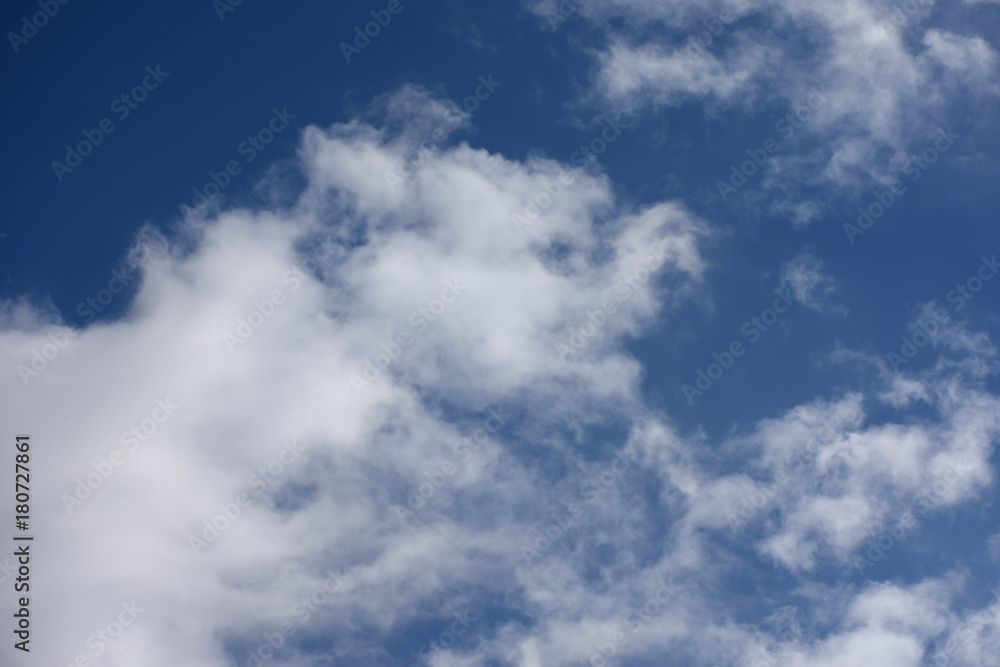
[373, 324]
[888, 76]
[393, 422]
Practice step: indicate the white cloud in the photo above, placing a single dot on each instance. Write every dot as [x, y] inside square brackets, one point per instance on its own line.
[889, 81]
[335, 278]
[391, 254]
[810, 285]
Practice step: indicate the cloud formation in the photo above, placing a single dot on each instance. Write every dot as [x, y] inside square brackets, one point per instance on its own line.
[345, 426]
[890, 74]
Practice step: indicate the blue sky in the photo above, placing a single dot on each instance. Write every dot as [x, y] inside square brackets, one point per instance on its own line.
[703, 290]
